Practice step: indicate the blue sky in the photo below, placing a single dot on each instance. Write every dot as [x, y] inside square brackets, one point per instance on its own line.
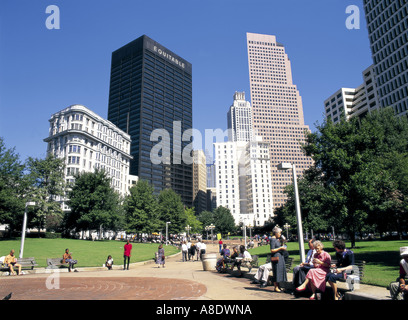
[43, 71]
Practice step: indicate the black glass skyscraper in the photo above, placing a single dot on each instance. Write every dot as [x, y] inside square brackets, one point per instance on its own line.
[151, 88]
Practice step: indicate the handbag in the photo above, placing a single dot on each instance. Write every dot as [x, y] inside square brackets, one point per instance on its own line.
[274, 259]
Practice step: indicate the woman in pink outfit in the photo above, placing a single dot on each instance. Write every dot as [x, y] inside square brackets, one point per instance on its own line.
[317, 277]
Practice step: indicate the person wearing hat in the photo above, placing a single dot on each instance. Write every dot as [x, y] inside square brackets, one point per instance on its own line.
[398, 289]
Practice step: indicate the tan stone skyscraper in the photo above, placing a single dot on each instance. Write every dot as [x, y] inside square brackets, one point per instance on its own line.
[277, 109]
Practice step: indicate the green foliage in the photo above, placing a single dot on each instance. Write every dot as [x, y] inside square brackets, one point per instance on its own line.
[171, 209]
[192, 221]
[359, 178]
[224, 221]
[93, 203]
[46, 177]
[206, 218]
[141, 209]
[12, 187]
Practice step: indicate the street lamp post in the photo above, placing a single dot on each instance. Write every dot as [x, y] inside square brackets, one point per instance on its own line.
[188, 228]
[167, 231]
[287, 226]
[206, 229]
[24, 228]
[244, 232]
[211, 227]
[287, 166]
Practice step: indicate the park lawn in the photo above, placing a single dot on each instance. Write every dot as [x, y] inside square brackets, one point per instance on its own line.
[382, 258]
[88, 253]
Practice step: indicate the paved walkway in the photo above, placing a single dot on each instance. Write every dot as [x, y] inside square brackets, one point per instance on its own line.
[145, 281]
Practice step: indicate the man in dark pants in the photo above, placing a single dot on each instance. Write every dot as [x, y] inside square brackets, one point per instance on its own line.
[126, 255]
[300, 271]
[345, 261]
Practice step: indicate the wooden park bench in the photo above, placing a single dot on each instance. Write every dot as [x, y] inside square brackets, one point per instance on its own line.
[288, 265]
[26, 264]
[53, 263]
[249, 264]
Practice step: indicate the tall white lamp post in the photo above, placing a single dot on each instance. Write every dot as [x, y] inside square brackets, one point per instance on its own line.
[287, 166]
[167, 231]
[24, 228]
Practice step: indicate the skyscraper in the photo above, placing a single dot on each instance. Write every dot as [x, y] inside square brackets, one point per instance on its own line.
[353, 102]
[387, 24]
[240, 119]
[199, 181]
[277, 109]
[151, 88]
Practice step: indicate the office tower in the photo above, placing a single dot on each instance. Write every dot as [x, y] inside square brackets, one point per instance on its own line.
[151, 88]
[277, 110]
[259, 181]
[211, 175]
[243, 182]
[87, 142]
[199, 181]
[211, 199]
[387, 24]
[353, 102]
[230, 166]
[240, 119]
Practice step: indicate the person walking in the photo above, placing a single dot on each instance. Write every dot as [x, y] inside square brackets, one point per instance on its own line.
[126, 255]
[160, 256]
[189, 249]
[184, 251]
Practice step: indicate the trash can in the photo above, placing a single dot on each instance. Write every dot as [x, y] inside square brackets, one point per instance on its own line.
[209, 261]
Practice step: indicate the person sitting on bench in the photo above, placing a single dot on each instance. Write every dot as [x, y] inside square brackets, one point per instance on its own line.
[398, 289]
[345, 261]
[11, 262]
[67, 258]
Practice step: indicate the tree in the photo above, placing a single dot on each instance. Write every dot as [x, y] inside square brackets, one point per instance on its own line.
[206, 218]
[93, 203]
[141, 209]
[171, 209]
[46, 177]
[359, 175]
[192, 221]
[13, 186]
[224, 221]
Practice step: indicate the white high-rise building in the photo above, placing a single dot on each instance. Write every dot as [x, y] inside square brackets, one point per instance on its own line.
[353, 102]
[240, 119]
[259, 182]
[87, 142]
[229, 166]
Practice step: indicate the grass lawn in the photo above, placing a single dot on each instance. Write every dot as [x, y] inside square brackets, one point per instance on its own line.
[88, 253]
[382, 258]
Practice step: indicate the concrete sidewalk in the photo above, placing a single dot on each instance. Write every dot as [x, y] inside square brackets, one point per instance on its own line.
[219, 286]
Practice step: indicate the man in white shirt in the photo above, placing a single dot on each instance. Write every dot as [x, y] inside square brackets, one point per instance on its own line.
[300, 271]
[184, 251]
[198, 247]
